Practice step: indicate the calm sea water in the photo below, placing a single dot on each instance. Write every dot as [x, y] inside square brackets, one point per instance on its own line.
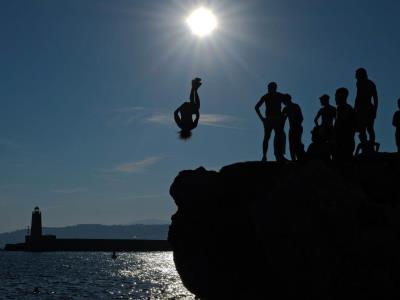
[68, 275]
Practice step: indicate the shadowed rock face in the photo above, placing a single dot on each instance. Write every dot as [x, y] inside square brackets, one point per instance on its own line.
[311, 230]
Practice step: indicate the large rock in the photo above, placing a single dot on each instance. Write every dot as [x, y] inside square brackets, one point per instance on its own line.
[311, 230]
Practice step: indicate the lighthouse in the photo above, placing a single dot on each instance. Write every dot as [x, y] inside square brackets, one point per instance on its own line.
[35, 240]
[36, 225]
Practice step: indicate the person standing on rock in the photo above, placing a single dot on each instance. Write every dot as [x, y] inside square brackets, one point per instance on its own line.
[183, 115]
[292, 112]
[365, 109]
[273, 120]
[396, 123]
[344, 128]
[327, 114]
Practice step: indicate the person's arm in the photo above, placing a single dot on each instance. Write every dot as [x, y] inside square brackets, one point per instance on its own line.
[196, 118]
[257, 108]
[357, 99]
[301, 118]
[177, 117]
[375, 99]
[284, 116]
[317, 117]
[396, 119]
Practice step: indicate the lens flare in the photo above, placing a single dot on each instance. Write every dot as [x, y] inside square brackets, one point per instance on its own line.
[202, 22]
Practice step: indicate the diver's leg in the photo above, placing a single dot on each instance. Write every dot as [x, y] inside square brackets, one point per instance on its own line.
[192, 95]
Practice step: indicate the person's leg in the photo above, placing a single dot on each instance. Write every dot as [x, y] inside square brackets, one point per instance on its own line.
[279, 139]
[398, 139]
[362, 135]
[371, 131]
[192, 96]
[292, 144]
[299, 145]
[350, 146]
[267, 136]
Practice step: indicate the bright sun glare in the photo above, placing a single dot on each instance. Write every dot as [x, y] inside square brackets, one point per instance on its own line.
[202, 22]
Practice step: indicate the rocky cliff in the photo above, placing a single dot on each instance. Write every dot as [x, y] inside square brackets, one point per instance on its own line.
[307, 230]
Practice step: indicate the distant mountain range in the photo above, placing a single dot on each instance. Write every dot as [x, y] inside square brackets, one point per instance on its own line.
[94, 231]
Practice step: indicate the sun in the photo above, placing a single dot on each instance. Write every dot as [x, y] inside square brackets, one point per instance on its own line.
[202, 22]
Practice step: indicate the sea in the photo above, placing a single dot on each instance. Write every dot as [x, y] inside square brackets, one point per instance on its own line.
[89, 275]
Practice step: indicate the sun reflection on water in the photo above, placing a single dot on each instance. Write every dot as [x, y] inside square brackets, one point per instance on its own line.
[91, 276]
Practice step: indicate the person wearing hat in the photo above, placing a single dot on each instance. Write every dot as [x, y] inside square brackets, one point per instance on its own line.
[327, 114]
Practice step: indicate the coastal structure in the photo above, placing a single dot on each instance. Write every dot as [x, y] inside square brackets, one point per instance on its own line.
[35, 240]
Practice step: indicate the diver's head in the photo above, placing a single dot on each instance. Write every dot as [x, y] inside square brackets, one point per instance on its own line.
[185, 134]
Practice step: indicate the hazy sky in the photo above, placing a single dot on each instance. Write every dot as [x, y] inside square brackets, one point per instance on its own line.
[88, 88]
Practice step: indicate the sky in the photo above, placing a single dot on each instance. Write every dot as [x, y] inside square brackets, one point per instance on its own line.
[88, 89]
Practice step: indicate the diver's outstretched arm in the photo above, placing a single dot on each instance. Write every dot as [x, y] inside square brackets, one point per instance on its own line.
[177, 118]
[196, 119]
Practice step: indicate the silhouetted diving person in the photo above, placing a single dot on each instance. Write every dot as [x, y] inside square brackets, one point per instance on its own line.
[183, 115]
[365, 109]
[396, 123]
[344, 127]
[328, 115]
[292, 112]
[272, 121]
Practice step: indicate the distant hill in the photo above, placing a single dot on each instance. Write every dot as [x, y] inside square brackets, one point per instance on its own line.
[94, 231]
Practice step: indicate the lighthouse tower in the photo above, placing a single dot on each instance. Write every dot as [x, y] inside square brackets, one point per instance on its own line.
[36, 225]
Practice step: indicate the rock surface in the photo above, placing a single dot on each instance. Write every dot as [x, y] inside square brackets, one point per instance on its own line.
[309, 230]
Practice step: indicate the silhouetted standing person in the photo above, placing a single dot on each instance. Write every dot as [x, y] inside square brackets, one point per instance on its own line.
[183, 115]
[366, 106]
[272, 121]
[292, 112]
[396, 123]
[344, 127]
[328, 115]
